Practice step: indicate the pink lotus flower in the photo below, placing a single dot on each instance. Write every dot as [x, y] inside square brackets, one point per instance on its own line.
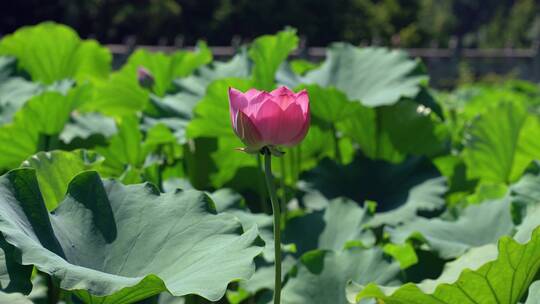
[278, 118]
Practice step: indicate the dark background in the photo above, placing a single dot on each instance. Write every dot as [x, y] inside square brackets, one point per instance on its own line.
[407, 23]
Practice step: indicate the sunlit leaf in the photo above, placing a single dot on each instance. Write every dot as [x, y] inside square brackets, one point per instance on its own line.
[267, 53]
[372, 76]
[50, 52]
[497, 281]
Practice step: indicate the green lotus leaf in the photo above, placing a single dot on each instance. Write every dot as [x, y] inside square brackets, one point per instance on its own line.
[14, 277]
[501, 143]
[7, 67]
[55, 169]
[267, 53]
[196, 83]
[119, 95]
[534, 293]
[112, 243]
[328, 104]
[14, 298]
[399, 193]
[122, 95]
[502, 280]
[84, 126]
[372, 76]
[322, 276]
[50, 52]
[14, 92]
[36, 126]
[330, 229]
[165, 68]
[527, 189]
[478, 225]
[302, 66]
[125, 147]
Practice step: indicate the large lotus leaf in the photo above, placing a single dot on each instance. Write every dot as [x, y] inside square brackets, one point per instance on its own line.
[268, 52]
[14, 298]
[14, 277]
[361, 126]
[7, 67]
[530, 221]
[426, 197]
[165, 68]
[120, 244]
[501, 143]
[328, 104]
[173, 111]
[302, 66]
[41, 118]
[364, 126]
[478, 225]
[526, 194]
[472, 259]
[318, 144]
[51, 52]
[228, 201]
[55, 169]
[118, 95]
[412, 128]
[84, 126]
[527, 189]
[196, 84]
[400, 191]
[122, 95]
[391, 132]
[503, 280]
[330, 229]
[534, 293]
[372, 76]
[16, 91]
[470, 101]
[126, 152]
[179, 105]
[264, 277]
[322, 276]
[166, 298]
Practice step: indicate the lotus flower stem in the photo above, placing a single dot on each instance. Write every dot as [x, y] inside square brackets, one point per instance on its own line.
[337, 149]
[299, 161]
[277, 222]
[262, 191]
[283, 185]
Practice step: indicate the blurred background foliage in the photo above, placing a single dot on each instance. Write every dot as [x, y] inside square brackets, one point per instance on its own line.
[407, 23]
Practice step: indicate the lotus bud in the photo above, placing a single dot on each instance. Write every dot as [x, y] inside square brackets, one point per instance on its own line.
[145, 78]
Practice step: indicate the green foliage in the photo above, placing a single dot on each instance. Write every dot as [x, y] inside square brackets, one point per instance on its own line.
[496, 281]
[54, 171]
[128, 220]
[328, 269]
[386, 75]
[268, 52]
[50, 52]
[395, 184]
[36, 126]
[501, 143]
